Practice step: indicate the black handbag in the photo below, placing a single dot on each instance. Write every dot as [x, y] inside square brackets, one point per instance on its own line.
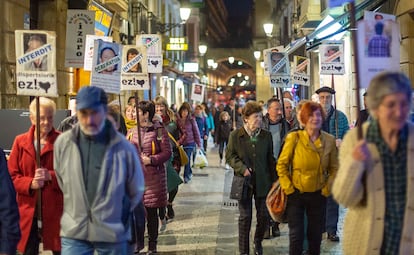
[240, 188]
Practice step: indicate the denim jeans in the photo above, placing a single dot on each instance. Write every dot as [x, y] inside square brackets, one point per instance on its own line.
[188, 172]
[313, 204]
[82, 247]
[332, 215]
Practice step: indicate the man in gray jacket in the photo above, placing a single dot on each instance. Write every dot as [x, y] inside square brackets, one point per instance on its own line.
[101, 178]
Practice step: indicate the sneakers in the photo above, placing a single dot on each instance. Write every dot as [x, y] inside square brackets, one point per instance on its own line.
[163, 225]
[333, 237]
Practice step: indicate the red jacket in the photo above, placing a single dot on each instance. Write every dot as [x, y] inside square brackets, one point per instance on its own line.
[22, 166]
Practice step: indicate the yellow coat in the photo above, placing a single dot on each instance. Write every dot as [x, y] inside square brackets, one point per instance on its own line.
[313, 165]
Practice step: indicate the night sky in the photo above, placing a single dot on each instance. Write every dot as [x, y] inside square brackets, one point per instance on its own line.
[238, 23]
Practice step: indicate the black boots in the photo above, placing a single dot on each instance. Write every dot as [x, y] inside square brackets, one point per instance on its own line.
[170, 212]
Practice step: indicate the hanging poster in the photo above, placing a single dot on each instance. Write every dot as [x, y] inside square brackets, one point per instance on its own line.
[90, 39]
[197, 92]
[266, 53]
[106, 72]
[79, 23]
[301, 71]
[153, 44]
[134, 71]
[36, 63]
[378, 48]
[331, 56]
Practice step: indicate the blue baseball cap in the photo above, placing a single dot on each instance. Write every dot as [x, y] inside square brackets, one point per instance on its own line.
[90, 97]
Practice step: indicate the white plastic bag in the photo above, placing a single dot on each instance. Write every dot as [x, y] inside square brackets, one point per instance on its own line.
[200, 159]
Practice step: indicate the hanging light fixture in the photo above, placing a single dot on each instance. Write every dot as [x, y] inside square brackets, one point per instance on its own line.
[231, 60]
[268, 28]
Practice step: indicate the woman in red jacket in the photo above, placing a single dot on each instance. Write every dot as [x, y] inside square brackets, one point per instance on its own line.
[31, 182]
[155, 151]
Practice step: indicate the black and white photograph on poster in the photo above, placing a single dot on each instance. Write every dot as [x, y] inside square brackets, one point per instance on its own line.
[89, 49]
[266, 53]
[79, 23]
[36, 63]
[378, 48]
[280, 81]
[301, 72]
[331, 55]
[153, 44]
[134, 71]
[197, 92]
[106, 72]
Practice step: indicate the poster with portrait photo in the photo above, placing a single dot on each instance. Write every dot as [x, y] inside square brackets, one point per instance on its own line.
[106, 69]
[134, 71]
[36, 63]
[378, 48]
[197, 92]
[331, 57]
[376, 16]
[153, 44]
[89, 46]
[266, 53]
[301, 71]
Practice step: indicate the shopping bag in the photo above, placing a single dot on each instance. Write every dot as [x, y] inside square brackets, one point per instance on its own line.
[200, 159]
[276, 202]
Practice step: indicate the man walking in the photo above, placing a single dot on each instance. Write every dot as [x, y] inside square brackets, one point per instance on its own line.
[336, 124]
[101, 178]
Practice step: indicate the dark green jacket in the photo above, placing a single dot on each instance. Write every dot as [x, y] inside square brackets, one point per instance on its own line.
[243, 152]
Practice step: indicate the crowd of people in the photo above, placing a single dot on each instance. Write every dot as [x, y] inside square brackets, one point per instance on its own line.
[106, 175]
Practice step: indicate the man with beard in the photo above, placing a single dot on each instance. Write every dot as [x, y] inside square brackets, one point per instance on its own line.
[101, 178]
[336, 124]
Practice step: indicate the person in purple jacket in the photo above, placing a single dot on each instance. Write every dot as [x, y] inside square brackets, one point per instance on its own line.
[155, 150]
[189, 136]
[201, 124]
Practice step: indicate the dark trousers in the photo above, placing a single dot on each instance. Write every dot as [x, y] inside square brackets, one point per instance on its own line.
[222, 144]
[152, 227]
[32, 246]
[313, 204]
[332, 215]
[172, 194]
[245, 222]
[138, 226]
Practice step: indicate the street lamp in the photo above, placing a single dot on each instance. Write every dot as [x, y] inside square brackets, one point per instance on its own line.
[257, 54]
[184, 15]
[268, 28]
[202, 49]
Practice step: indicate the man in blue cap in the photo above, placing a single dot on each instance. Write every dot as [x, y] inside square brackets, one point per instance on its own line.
[101, 178]
[336, 124]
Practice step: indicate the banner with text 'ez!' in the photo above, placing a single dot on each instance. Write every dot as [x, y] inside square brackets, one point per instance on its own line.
[134, 71]
[36, 63]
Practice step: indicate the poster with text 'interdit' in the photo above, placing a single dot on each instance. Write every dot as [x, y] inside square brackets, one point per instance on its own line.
[153, 44]
[36, 63]
[134, 71]
[106, 72]
[89, 49]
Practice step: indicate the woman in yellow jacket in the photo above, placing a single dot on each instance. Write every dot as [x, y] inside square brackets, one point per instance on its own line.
[306, 167]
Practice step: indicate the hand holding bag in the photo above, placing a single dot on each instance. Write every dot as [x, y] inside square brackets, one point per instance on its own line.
[181, 151]
[276, 202]
[200, 159]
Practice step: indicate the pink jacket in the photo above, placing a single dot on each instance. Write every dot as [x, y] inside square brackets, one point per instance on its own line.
[189, 132]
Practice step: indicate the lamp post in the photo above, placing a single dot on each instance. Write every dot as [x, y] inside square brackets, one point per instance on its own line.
[268, 28]
[202, 50]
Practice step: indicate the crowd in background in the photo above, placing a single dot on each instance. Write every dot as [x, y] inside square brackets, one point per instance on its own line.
[77, 186]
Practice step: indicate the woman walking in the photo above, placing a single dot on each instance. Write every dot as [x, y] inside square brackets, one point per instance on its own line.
[306, 167]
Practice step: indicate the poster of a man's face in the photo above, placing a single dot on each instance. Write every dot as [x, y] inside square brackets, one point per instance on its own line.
[32, 42]
[276, 66]
[198, 89]
[131, 54]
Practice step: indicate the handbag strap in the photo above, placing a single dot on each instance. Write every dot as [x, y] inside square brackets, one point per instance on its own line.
[173, 139]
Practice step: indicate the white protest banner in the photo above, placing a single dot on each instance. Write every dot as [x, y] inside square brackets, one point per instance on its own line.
[378, 48]
[197, 92]
[79, 23]
[331, 55]
[280, 81]
[134, 71]
[106, 72]
[90, 39]
[153, 44]
[301, 72]
[266, 58]
[36, 63]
